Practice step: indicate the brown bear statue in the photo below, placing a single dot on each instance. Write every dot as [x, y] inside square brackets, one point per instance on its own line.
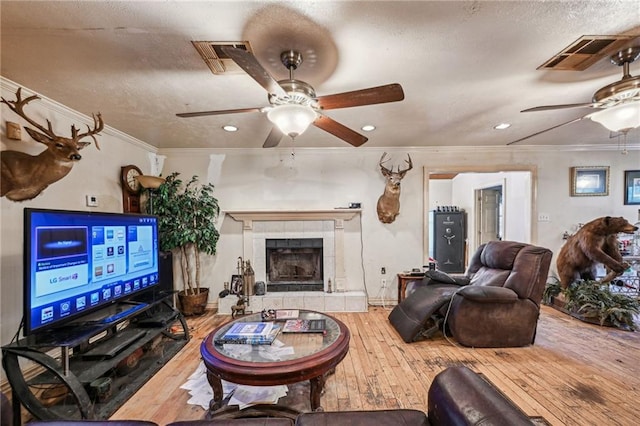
[595, 242]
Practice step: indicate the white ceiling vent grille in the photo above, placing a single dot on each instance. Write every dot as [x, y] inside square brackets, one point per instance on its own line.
[216, 60]
[584, 52]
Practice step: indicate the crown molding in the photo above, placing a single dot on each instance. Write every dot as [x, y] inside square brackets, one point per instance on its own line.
[178, 152]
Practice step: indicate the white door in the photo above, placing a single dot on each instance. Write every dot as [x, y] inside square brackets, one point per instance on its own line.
[489, 214]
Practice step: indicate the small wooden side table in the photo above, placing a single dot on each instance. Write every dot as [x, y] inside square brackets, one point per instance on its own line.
[403, 280]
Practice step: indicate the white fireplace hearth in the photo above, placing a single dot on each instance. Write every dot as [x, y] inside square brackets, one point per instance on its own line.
[348, 301]
[328, 225]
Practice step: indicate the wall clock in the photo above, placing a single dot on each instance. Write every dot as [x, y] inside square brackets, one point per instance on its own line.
[130, 188]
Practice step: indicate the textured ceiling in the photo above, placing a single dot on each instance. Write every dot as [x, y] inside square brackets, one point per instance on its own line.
[464, 66]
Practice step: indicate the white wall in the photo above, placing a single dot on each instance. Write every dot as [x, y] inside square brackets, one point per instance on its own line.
[97, 173]
[441, 193]
[327, 178]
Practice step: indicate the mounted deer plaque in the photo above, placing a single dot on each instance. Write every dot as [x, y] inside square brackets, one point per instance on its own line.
[389, 202]
[25, 176]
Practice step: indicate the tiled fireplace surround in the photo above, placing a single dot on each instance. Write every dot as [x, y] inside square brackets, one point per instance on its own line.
[260, 225]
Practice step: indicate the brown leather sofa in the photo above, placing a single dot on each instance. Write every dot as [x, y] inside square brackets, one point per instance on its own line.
[91, 423]
[495, 304]
[457, 396]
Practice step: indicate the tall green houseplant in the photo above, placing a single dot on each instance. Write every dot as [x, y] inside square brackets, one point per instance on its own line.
[187, 216]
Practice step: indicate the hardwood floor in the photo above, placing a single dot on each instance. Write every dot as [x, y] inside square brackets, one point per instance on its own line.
[575, 374]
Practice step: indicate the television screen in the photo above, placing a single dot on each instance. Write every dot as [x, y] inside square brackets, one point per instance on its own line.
[78, 262]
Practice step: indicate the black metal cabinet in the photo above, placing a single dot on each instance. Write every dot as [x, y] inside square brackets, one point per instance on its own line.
[448, 236]
[88, 372]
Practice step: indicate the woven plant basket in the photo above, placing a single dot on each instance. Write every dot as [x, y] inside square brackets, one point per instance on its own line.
[193, 304]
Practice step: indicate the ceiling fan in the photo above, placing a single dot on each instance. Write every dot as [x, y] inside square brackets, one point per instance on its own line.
[293, 104]
[617, 104]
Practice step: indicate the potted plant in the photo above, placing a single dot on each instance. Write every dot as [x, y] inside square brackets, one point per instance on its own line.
[593, 302]
[187, 215]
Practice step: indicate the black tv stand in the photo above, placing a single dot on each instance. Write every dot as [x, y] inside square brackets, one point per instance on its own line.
[126, 352]
[124, 310]
[116, 343]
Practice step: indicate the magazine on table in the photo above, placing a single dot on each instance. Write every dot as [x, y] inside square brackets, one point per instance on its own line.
[252, 333]
[304, 326]
[287, 314]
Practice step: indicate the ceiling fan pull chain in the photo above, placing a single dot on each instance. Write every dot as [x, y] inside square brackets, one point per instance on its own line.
[624, 143]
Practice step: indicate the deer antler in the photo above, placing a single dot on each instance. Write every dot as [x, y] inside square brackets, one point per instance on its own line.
[98, 125]
[382, 161]
[17, 107]
[409, 162]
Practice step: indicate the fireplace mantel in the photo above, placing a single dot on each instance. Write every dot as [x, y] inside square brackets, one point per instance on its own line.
[283, 215]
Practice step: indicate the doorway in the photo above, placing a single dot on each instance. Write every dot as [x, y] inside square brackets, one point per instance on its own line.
[489, 214]
[518, 199]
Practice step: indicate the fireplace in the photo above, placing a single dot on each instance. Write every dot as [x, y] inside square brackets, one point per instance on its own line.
[294, 264]
[329, 225]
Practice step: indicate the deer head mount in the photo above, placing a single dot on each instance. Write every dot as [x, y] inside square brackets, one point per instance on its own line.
[389, 202]
[25, 176]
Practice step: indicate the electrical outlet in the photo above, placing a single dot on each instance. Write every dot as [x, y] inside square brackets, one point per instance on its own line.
[544, 217]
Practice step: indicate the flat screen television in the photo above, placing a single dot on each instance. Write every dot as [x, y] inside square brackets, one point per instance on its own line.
[78, 263]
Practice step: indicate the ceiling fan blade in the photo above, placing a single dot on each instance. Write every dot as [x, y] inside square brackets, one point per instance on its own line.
[273, 139]
[374, 95]
[550, 128]
[566, 106]
[250, 64]
[219, 112]
[343, 132]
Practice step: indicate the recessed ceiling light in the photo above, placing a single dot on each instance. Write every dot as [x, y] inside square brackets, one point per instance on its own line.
[368, 128]
[502, 126]
[230, 128]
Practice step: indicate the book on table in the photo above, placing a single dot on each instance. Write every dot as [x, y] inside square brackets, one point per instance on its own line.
[250, 333]
[304, 326]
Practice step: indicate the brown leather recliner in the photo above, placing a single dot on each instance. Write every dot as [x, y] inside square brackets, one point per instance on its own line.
[495, 304]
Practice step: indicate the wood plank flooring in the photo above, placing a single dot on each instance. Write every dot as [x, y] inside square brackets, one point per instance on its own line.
[575, 374]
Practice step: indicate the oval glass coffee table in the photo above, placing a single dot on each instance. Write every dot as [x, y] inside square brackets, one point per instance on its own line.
[312, 356]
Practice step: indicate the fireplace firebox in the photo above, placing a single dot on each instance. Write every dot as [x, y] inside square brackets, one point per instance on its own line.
[294, 264]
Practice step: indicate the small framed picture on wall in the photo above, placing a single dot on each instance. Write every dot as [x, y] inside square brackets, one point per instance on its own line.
[589, 181]
[632, 187]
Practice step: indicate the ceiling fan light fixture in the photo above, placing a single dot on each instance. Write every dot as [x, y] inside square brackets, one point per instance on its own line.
[292, 119]
[619, 118]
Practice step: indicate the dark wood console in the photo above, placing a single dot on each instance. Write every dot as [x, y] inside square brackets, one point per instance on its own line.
[88, 370]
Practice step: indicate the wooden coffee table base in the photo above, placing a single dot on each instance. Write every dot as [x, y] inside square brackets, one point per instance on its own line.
[302, 397]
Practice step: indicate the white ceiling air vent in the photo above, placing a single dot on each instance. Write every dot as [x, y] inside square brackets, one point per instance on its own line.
[216, 60]
[584, 52]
